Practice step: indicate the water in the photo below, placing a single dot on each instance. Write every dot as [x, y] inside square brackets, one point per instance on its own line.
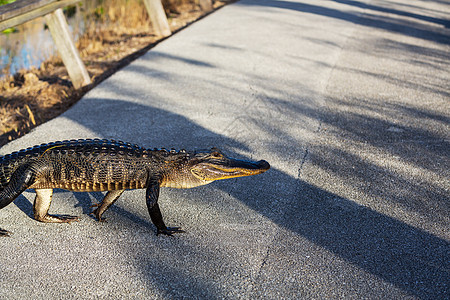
[28, 47]
[31, 43]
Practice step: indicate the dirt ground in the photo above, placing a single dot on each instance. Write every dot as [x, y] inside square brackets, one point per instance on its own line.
[32, 97]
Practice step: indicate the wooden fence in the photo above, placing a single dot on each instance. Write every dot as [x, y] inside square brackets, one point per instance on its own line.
[21, 11]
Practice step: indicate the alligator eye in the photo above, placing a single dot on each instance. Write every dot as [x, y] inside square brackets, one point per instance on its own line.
[216, 154]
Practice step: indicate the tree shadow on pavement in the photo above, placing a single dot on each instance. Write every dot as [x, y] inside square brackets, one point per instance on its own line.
[416, 28]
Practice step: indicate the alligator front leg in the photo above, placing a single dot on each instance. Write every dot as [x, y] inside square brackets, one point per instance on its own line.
[154, 211]
[42, 204]
[109, 199]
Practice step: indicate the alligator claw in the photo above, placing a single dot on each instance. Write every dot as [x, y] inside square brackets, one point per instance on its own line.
[4, 232]
[169, 231]
[96, 215]
[68, 218]
[99, 219]
[57, 219]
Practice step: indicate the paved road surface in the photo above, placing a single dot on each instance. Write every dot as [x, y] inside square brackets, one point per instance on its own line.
[349, 102]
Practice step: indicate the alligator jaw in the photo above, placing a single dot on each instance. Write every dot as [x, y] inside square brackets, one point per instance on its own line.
[228, 168]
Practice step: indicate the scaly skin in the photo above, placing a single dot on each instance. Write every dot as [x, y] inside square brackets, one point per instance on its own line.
[107, 165]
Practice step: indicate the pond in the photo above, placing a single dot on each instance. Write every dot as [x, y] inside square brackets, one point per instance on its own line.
[29, 44]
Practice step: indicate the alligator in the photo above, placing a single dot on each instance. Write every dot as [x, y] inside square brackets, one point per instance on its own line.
[88, 165]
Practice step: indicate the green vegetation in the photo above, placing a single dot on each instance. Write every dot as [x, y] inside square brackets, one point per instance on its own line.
[9, 30]
[3, 2]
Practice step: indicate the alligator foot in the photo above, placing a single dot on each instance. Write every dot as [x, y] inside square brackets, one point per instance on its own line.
[169, 231]
[57, 219]
[4, 232]
[96, 212]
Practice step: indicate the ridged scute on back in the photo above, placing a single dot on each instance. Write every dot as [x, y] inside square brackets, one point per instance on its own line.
[83, 146]
[89, 147]
[94, 147]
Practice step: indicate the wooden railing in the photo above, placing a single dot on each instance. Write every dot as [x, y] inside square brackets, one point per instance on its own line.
[21, 11]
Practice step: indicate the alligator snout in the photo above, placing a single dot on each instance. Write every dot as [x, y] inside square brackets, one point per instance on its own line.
[264, 165]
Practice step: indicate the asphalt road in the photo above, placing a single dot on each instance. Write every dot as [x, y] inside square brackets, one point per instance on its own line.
[349, 102]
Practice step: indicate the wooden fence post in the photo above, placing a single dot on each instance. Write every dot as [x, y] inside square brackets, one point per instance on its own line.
[206, 5]
[59, 30]
[158, 17]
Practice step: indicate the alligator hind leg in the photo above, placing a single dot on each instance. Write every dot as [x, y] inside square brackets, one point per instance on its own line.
[109, 199]
[42, 204]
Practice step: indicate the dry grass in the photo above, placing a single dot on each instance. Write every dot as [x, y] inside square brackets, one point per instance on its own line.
[123, 33]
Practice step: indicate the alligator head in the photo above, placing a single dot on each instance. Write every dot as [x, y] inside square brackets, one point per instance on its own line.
[203, 167]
